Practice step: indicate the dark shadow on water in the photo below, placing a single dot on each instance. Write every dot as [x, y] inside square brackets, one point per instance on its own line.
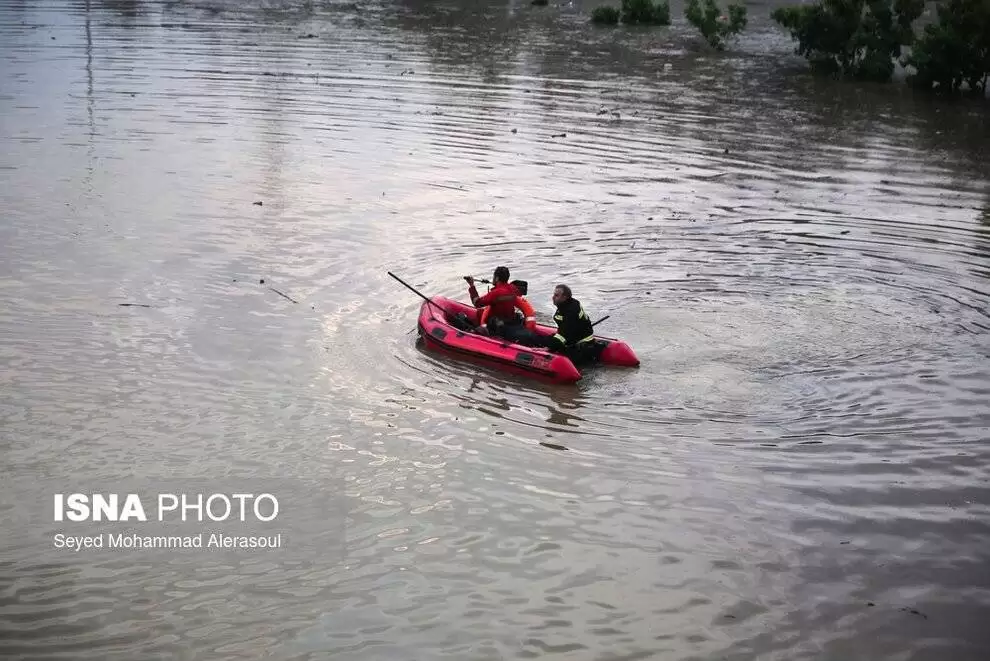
[126, 8]
[481, 37]
[981, 239]
[257, 16]
[18, 9]
[565, 403]
[90, 168]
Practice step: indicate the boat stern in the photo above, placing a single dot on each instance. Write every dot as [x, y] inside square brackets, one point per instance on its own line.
[618, 353]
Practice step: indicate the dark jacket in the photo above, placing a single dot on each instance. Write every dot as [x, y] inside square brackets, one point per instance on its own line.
[573, 324]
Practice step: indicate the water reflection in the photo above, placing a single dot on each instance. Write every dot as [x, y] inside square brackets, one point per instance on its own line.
[564, 407]
[126, 8]
[275, 103]
[483, 38]
[90, 100]
[982, 246]
[19, 9]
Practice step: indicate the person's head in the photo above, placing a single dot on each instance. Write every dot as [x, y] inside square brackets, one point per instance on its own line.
[561, 294]
[501, 275]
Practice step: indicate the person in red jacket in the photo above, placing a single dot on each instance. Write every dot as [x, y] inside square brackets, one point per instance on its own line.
[502, 302]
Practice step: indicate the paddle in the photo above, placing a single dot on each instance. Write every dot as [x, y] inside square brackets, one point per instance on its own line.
[600, 320]
[419, 294]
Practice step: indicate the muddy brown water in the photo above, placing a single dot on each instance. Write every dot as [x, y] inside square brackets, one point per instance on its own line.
[798, 470]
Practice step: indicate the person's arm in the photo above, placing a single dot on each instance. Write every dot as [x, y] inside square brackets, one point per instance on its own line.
[529, 320]
[481, 301]
[557, 342]
[476, 300]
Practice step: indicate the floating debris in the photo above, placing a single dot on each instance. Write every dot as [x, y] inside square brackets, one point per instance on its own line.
[133, 305]
[914, 612]
[553, 446]
[457, 188]
[283, 295]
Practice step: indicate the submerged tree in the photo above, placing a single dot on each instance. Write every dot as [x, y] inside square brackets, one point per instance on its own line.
[644, 12]
[634, 12]
[605, 15]
[715, 26]
[853, 38]
[955, 50]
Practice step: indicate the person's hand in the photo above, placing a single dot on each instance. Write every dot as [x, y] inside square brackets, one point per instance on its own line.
[470, 280]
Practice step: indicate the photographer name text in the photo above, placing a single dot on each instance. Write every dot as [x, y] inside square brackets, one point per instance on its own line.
[134, 541]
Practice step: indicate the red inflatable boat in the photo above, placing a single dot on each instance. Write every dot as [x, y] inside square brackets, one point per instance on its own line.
[439, 334]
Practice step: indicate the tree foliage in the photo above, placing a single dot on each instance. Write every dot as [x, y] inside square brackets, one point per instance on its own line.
[955, 50]
[605, 15]
[854, 38]
[715, 26]
[634, 12]
[645, 12]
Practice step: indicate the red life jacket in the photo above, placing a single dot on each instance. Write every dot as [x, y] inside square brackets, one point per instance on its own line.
[502, 299]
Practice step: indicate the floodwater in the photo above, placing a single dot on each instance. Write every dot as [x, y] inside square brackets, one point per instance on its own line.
[799, 469]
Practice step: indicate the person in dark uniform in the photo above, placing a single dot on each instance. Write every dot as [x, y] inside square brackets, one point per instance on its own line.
[575, 337]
